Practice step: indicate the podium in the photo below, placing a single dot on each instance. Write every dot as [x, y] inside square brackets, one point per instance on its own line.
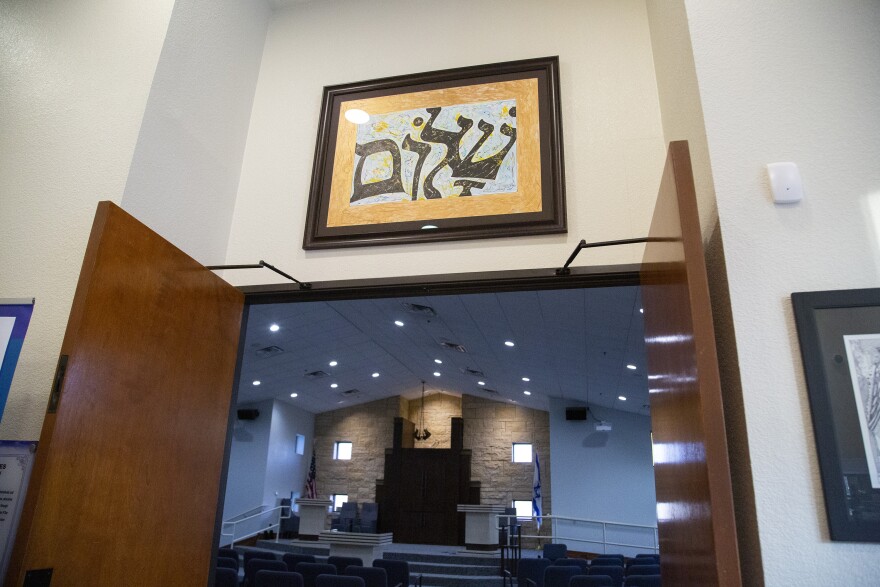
[481, 526]
[312, 517]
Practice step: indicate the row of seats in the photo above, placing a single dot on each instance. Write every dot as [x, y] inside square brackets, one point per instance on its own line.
[263, 569]
[605, 571]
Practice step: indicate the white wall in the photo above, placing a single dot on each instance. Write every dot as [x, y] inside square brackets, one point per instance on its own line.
[614, 146]
[600, 475]
[285, 470]
[246, 477]
[184, 174]
[74, 81]
[791, 81]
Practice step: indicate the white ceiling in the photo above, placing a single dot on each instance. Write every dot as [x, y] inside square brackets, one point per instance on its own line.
[573, 344]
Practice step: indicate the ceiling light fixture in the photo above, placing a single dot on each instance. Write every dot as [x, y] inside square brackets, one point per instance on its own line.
[436, 373]
[274, 328]
[481, 383]
[641, 310]
[398, 323]
[631, 367]
[527, 393]
[294, 395]
[509, 343]
[622, 398]
[421, 432]
[438, 361]
[526, 379]
[375, 374]
[332, 363]
[257, 382]
[334, 385]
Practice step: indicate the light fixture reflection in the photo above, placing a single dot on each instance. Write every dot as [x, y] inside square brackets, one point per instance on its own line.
[357, 116]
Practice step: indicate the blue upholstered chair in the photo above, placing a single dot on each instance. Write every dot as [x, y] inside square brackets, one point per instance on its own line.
[643, 570]
[398, 571]
[604, 561]
[225, 578]
[310, 572]
[343, 562]
[643, 581]
[227, 552]
[530, 572]
[338, 581]
[266, 578]
[227, 563]
[560, 575]
[592, 581]
[372, 576]
[581, 563]
[555, 551]
[613, 571]
[259, 564]
[292, 559]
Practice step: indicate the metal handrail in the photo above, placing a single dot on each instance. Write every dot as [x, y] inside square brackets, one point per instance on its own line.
[277, 525]
[554, 536]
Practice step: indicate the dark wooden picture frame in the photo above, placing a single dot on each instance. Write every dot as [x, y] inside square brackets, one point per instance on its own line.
[839, 334]
[472, 152]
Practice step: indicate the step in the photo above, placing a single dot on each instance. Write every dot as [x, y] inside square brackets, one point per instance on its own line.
[284, 547]
[454, 569]
[449, 558]
[432, 580]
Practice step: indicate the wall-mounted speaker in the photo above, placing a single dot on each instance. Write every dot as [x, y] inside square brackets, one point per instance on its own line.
[248, 414]
[576, 413]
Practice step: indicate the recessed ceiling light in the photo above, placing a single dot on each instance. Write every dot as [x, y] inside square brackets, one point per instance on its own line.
[622, 398]
[398, 322]
[527, 393]
[357, 116]
[526, 379]
[332, 363]
[294, 395]
[257, 382]
[436, 373]
[341, 402]
[631, 367]
[509, 343]
[375, 374]
[334, 385]
[438, 361]
[481, 383]
[274, 328]
[641, 310]
[428, 227]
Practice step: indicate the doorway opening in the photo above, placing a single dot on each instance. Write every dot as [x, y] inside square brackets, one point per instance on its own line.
[338, 361]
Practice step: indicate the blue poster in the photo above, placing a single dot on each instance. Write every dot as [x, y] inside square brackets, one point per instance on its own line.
[15, 315]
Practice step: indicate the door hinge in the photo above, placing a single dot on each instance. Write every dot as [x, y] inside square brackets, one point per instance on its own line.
[57, 382]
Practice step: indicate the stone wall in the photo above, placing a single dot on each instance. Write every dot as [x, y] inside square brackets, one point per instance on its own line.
[490, 429]
[370, 429]
[440, 408]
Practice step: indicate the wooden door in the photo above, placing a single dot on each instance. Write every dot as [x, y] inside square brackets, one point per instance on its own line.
[127, 481]
[695, 515]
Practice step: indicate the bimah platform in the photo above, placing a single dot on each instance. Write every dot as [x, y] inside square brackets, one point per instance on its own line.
[360, 544]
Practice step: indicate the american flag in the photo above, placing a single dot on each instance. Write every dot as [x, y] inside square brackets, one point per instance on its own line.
[311, 486]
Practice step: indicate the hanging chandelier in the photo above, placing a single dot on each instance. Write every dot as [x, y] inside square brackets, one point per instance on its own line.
[421, 432]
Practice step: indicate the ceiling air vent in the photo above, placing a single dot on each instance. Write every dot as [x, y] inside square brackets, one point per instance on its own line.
[474, 372]
[350, 392]
[452, 346]
[489, 391]
[268, 351]
[420, 309]
[315, 374]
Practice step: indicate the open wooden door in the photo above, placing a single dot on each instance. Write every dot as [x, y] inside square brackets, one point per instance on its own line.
[126, 485]
[695, 516]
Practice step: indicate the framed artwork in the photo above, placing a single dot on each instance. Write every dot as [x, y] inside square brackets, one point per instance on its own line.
[839, 334]
[473, 152]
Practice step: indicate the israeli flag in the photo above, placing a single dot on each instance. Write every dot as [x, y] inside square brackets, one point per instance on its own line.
[537, 504]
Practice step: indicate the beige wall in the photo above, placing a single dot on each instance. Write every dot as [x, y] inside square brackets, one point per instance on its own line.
[439, 409]
[490, 429]
[369, 427]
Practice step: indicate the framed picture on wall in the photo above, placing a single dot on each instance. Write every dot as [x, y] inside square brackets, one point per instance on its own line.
[463, 153]
[839, 333]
